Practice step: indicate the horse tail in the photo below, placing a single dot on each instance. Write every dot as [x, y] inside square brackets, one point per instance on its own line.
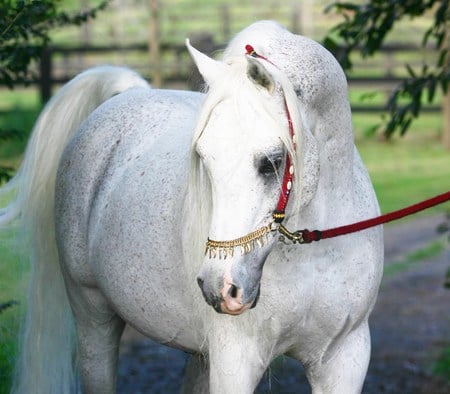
[47, 353]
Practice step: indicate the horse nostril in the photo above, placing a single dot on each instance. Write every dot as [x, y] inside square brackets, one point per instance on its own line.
[200, 282]
[233, 291]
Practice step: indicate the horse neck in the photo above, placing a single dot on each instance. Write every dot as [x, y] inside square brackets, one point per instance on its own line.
[333, 135]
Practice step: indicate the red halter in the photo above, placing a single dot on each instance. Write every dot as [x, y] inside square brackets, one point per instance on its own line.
[288, 177]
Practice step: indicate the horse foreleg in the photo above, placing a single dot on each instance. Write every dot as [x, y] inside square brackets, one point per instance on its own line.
[342, 370]
[98, 331]
[196, 377]
[236, 364]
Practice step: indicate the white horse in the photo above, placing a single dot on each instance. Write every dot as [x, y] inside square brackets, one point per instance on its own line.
[120, 194]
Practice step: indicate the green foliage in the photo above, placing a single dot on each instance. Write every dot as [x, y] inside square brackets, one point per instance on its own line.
[6, 172]
[364, 30]
[24, 33]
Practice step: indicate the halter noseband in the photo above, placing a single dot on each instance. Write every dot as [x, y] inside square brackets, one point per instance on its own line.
[223, 249]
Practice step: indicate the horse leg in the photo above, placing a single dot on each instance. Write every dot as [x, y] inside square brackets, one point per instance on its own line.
[236, 364]
[343, 367]
[98, 332]
[196, 376]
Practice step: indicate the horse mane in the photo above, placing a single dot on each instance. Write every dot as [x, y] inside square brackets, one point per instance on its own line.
[235, 84]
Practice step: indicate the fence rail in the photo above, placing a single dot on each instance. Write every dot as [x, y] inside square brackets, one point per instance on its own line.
[59, 64]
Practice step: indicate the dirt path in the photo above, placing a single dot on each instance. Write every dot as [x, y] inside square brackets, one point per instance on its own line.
[410, 324]
[411, 320]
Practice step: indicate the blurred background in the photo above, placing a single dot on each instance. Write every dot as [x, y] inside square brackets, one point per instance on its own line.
[406, 166]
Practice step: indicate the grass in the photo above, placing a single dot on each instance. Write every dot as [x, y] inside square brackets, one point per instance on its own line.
[124, 23]
[128, 21]
[13, 284]
[406, 170]
[427, 252]
[18, 110]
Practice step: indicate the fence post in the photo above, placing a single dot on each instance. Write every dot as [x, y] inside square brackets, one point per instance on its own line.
[45, 70]
[307, 18]
[446, 121]
[154, 44]
[226, 22]
[295, 19]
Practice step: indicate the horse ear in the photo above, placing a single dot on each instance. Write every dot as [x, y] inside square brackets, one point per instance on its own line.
[259, 75]
[210, 69]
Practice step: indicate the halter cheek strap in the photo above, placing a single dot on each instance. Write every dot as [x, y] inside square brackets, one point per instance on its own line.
[288, 177]
[223, 249]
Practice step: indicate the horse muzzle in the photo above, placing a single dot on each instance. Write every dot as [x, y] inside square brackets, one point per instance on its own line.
[231, 299]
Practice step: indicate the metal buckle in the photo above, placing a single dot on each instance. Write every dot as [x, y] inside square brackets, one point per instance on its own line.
[294, 237]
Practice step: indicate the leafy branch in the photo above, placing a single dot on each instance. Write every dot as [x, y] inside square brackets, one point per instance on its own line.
[25, 26]
[364, 30]
[24, 33]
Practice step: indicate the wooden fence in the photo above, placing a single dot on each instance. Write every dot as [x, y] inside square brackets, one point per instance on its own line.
[60, 64]
[175, 69]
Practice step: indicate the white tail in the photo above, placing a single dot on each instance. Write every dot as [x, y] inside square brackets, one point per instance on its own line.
[47, 352]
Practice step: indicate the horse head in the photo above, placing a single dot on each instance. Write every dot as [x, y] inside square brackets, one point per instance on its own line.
[241, 147]
[243, 150]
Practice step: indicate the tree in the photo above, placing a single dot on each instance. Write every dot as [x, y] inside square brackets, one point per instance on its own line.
[365, 28]
[25, 26]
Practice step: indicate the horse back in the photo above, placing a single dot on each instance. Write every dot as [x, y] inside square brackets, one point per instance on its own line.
[126, 162]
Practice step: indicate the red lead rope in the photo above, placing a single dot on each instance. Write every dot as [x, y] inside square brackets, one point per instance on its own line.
[316, 235]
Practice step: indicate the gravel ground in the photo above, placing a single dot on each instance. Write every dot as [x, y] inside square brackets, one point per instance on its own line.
[410, 324]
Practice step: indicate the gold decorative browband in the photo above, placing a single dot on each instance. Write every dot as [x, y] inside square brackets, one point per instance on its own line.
[223, 249]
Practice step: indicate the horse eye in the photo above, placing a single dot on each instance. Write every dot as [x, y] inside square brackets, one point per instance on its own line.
[269, 165]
